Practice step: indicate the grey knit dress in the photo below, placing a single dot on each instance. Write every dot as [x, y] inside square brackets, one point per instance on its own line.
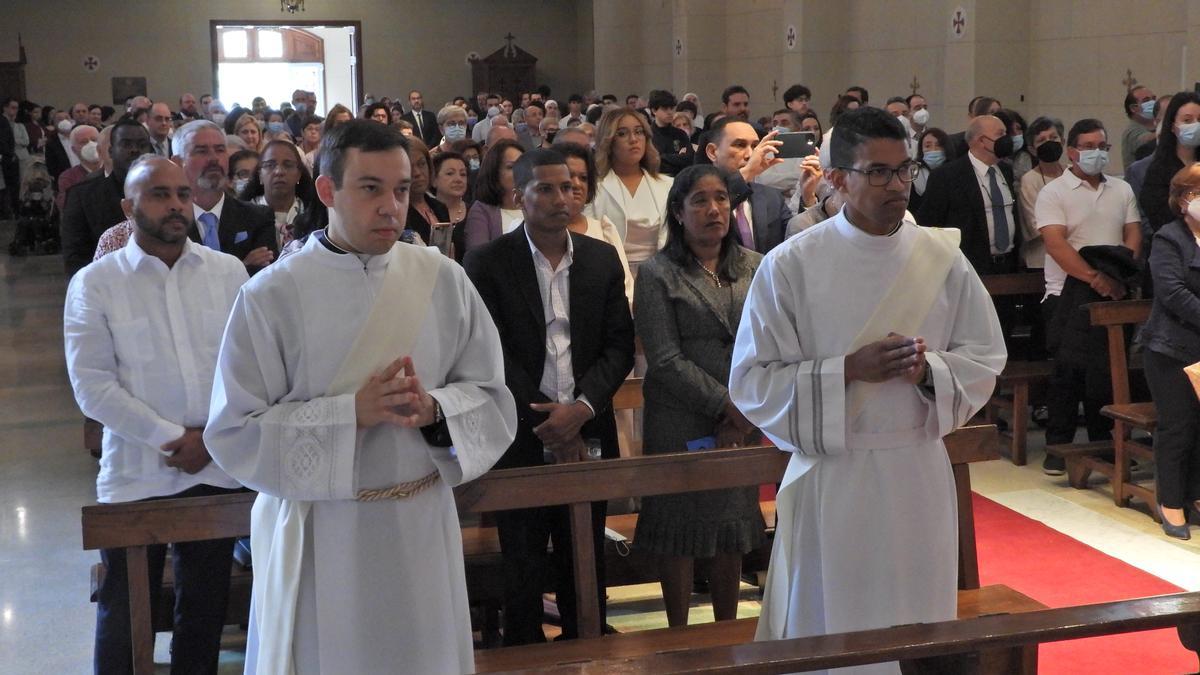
[687, 326]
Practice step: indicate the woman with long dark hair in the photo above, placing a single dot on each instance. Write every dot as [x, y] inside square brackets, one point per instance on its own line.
[689, 301]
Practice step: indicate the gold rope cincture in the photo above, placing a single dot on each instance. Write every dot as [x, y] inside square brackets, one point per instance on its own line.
[399, 490]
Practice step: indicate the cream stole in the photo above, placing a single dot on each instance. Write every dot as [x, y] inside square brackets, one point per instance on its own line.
[278, 524]
[902, 310]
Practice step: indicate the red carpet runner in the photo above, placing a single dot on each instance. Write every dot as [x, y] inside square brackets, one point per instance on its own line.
[1059, 571]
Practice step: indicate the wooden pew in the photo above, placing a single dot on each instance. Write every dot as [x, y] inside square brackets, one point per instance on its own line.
[1013, 385]
[1127, 415]
[914, 641]
[672, 473]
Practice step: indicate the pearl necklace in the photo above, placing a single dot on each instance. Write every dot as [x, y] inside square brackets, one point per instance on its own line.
[713, 276]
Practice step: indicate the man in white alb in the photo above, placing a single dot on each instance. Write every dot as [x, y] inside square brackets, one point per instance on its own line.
[142, 327]
[864, 340]
[359, 379]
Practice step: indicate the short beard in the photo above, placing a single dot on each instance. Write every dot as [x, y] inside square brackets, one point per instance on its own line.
[156, 229]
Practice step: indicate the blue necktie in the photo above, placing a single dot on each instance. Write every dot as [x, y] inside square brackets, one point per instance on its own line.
[999, 217]
[209, 235]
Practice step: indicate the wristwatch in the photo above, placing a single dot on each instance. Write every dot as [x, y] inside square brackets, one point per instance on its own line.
[927, 378]
[439, 416]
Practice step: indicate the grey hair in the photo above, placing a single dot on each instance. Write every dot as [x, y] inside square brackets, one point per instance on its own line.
[185, 135]
[444, 114]
[547, 121]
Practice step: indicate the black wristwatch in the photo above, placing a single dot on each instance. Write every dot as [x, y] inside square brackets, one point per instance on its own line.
[437, 433]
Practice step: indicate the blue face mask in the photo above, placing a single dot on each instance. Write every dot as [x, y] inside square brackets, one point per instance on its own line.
[1147, 108]
[456, 132]
[473, 163]
[934, 158]
[782, 130]
[276, 127]
[1018, 142]
[1189, 134]
[1092, 162]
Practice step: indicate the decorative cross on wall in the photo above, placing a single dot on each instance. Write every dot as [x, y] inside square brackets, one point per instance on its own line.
[1130, 81]
[508, 49]
[774, 90]
[915, 84]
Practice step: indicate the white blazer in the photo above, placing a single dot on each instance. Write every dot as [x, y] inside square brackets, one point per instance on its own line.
[610, 204]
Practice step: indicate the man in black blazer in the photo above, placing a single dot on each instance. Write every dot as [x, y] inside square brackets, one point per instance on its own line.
[424, 123]
[758, 212]
[57, 159]
[975, 194]
[960, 194]
[559, 304]
[94, 205]
[223, 222]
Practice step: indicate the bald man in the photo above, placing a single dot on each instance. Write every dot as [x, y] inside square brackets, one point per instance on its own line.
[974, 193]
[142, 329]
[500, 132]
[89, 161]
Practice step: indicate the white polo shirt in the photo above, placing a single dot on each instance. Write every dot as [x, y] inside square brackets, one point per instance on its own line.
[1093, 217]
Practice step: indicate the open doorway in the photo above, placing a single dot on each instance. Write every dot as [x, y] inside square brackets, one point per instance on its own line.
[271, 59]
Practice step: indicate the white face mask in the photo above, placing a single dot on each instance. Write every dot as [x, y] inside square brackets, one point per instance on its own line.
[921, 117]
[65, 127]
[239, 184]
[90, 152]
[219, 119]
[1193, 209]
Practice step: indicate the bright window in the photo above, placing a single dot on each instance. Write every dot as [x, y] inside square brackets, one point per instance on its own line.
[270, 44]
[235, 44]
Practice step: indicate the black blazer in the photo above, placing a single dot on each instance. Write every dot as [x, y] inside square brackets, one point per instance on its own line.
[429, 127]
[243, 227]
[952, 199]
[768, 211]
[1173, 328]
[601, 332]
[93, 205]
[57, 160]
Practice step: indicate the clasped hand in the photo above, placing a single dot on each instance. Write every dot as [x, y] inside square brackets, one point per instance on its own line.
[188, 453]
[895, 356]
[560, 432]
[394, 396]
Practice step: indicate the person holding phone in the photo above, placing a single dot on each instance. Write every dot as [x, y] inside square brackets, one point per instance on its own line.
[689, 301]
[424, 211]
[759, 212]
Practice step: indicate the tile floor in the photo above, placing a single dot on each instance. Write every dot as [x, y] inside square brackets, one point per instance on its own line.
[46, 621]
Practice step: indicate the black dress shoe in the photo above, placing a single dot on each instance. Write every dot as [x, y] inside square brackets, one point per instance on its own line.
[1053, 465]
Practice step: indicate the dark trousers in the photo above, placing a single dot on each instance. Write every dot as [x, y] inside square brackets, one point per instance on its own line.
[528, 566]
[1177, 435]
[201, 596]
[1070, 384]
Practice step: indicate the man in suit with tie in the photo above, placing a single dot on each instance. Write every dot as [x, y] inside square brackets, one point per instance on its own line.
[424, 122]
[759, 212]
[223, 222]
[558, 300]
[94, 205]
[974, 193]
[160, 129]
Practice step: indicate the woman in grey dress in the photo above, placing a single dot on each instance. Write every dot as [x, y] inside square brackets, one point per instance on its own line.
[687, 303]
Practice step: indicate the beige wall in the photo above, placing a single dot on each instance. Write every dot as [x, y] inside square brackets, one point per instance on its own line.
[1065, 58]
[406, 44]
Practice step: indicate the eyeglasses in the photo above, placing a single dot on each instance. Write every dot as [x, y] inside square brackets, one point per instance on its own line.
[1103, 146]
[626, 132]
[882, 175]
[271, 165]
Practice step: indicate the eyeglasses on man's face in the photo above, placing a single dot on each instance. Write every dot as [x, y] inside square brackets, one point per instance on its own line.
[882, 175]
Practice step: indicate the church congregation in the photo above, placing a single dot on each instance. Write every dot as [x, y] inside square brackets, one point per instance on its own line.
[354, 311]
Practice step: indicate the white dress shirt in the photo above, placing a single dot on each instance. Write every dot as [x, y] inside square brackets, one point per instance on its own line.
[985, 188]
[554, 285]
[141, 347]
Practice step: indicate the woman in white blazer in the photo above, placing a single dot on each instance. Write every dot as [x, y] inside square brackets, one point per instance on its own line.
[631, 193]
